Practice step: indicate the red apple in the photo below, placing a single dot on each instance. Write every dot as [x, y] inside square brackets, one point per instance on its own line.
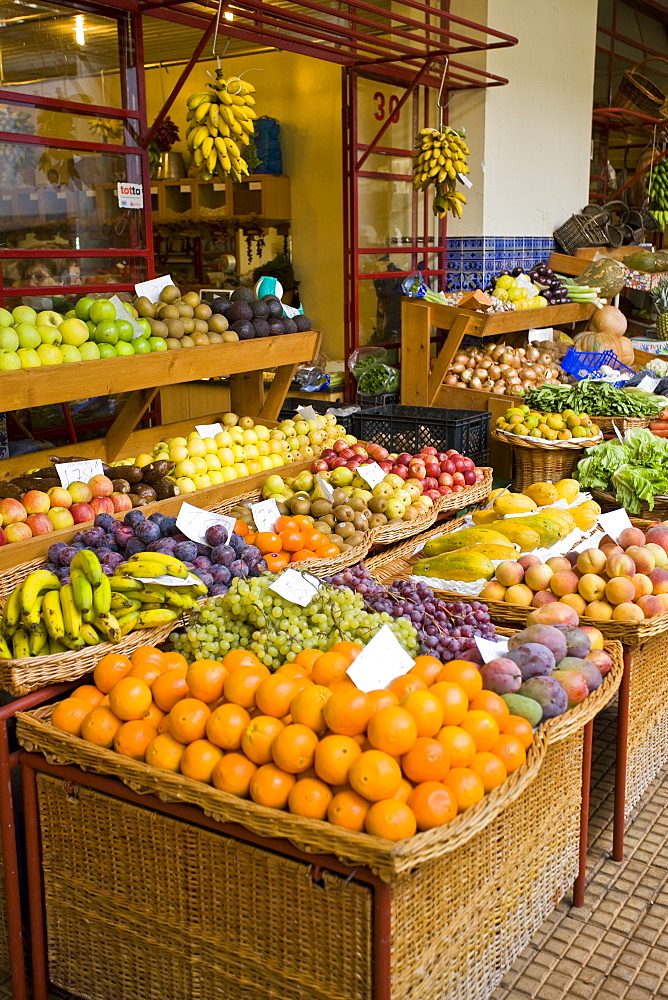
[385, 466]
[434, 494]
[457, 488]
[444, 490]
[36, 502]
[82, 512]
[451, 451]
[445, 479]
[39, 524]
[327, 454]
[400, 470]
[417, 472]
[479, 475]
[458, 479]
[347, 453]
[468, 463]
[121, 501]
[458, 464]
[59, 497]
[448, 466]
[433, 469]
[442, 457]
[404, 458]
[429, 451]
[429, 484]
[18, 531]
[320, 465]
[101, 486]
[339, 445]
[470, 477]
[12, 511]
[336, 463]
[359, 450]
[102, 505]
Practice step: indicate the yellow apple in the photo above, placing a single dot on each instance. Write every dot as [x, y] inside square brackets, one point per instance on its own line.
[201, 481]
[186, 485]
[229, 473]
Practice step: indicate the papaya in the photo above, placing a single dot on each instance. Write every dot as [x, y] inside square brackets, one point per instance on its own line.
[514, 503]
[463, 538]
[562, 515]
[517, 532]
[491, 550]
[485, 516]
[551, 530]
[543, 493]
[455, 566]
[567, 489]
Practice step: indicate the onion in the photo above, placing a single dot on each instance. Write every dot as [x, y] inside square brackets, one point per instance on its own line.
[459, 367]
[521, 351]
[481, 373]
[490, 347]
[526, 384]
[507, 358]
[532, 354]
[471, 363]
[539, 370]
[485, 363]
[528, 374]
[475, 383]
[494, 372]
[499, 389]
[516, 363]
[488, 385]
[467, 375]
[450, 380]
[546, 358]
[461, 359]
[461, 385]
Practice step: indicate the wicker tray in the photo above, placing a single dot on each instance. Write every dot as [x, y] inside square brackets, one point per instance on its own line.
[383, 857]
[538, 444]
[533, 463]
[622, 424]
[608, 501]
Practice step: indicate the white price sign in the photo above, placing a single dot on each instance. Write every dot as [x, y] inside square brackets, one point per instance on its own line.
[151, 289]
[79, 472]
[265, 514]
[325, 488]
[298, 588]
[614, 522]
[208, 430]
[380, 662]
[122, 312]
[130, 195]
[171, 581]
[590, 543]
[306, 413]
[194, 522]
[371, 474]
[648, 384]
[491, 649]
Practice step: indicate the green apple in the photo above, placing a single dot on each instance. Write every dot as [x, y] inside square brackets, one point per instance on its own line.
[70, 352]
[102, 309]
[29, 358]
[146, 326]
[28, 335]
[89, 351]
[49, 317]
[24, 314]
[49, 354]
[9, 340]
[6, 318]
[91, 328]
[141, 345]
[50, 335]
[121, 349]
[107, 351]
[125, 330]
[82, 308]
[74, 332]
[70, 314]
[157, 343]
[9, 361]
[106, 332]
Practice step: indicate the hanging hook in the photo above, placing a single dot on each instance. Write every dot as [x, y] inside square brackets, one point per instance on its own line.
[439, 102]
[215, 34]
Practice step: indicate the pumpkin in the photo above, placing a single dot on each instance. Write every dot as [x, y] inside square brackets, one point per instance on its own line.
[605, 274]
[596, 342]
[609, 319]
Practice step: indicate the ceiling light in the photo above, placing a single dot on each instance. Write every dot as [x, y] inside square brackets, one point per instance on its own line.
[228, 15]
[79, 32]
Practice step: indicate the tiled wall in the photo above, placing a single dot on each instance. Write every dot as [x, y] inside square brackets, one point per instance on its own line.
[473, 260]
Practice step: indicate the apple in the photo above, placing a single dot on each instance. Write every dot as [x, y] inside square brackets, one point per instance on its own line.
[339, 445]
[434, 494]
[11, 510]
[59, 497]
[417, 471]
[347, 454]
[448, 466]
[101, 309]
[404, 458]
[60, 517]
[49, 335]
[39, 524]
[24, 314]
[399, 470]
[3, 536]
[470, 477]
[327, 454]
[82, 511]
[444, 490]
[385, 466]
[6, 319]
[468, 463]
[121, 501]
[80, 492]
[18, 532]
[445, 479]
[101, 486]
[74, 332]
[429, 451]
[336, 463]
[102, 505]
[36, 502]
[48, 317]
[320, 465]
[458, 479]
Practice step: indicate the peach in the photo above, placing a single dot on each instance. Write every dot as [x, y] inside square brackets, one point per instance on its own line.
[564, 582]
[591, 561]
[528, 560]
[542, 597]
[558, 563]
[664, 600]
[658, 534]
[60, 497]
[574, 601]
[596, 637]
[39, 524]
[538, 576]
[644, 559]
[17, 531]
[619, 564]
[519, 594]
[591, 587]
[600, 610]
[611, 549]
[659, 553]
[651, 606]
[659, 578]
[60, 517]
[101, 486]
[80, 492]
[642, 585]
[492, 591]
[620, 590]
[631, 536]
[12, 511]
[102, 505]
[36, 502]
[509, 573]
[553, 614]
[600, 659]
[627, 613]
[82, 512]
[120, 501]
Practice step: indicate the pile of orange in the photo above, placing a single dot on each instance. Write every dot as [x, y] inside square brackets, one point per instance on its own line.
[292, 540]
[305, 738]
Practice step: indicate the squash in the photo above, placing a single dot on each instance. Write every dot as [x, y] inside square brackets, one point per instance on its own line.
[595, 342]
[605, 274]
[643, 260]
[609, 320]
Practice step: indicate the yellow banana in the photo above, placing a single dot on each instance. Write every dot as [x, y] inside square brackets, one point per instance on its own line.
[81, 589]
[250, 101]
[71, 614]
[89, 564]
[102, 597]
[124, 584]
[32, 620]
[108, 626]
[55, 646]
[153, 617]
[225, 98]
[34, 585]
[124, 603]
[52, 613]
[211, 160]
[198, 157]
[173, 566]
[214, 113]
[39, 641]
[207, 146]
[5, 651]
[202, 111]
[11, 613]
[248, 126]
[196, 99]
[250, 114]
[128, 622]
[199, 136]
[223, 128]
[89, 635]
[20, 644]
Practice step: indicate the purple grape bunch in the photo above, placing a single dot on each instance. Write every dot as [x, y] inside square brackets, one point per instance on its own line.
[445, 629]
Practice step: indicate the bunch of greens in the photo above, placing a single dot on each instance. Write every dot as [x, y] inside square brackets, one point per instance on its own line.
[635, 470]
[598, 399]
[378, 379]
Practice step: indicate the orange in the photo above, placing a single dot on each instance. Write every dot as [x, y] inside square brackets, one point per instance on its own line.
[459, 745]
[383, 699]
[225, 726]
[258, 736]
[233, 774]
[293, 749]
[69, 714]
[146, 672]
[513, 725]
[164, 752]
[292, 670]
[490, 769]
[241, 684]
[163, 725]
[100, 726]
[130, 698]
[153, 715]
[392, 730]
[350, 649]
[270, 786]
[403, 685]
[465, 785]
[144, 655]
[307, 707]
[133, 738]
[433, 804]
[427, 668]
[454, 700]
[340, 682]
[276, 561]
[306, 658]
[275, 695]
[240, 658]
[240, 528]
[334, 756]
[199, 760]
[327, 551]
[285, 521]
[375, 775]
[509, 750]
[348, 711]
[267, 541]
[89, 693]
[403, 791]
[348, 809]
[110, 669]
[188, 719]
[427, 711]
[292, 540]
[391, 819]
[310, 797]
[463, 673]
[205, 679]
[427, 760]
[492, 703]
[482, 727]
[314, 539]
[168, 689]
[173, 660]
[328, 667]
[303, 521]
[302, 554]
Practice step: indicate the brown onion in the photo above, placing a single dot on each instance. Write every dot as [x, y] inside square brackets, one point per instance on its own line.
[546, 358]
[494, 372]
[471, 363]
[461, 359]
[481, 373]
[467, 375]
[485, 362]
[450, 380]
[499, 390]
[488, 385]
[528, 374]
[532, 354]
[527, 384]
[461, 385]
[475, 383]
[459, 367]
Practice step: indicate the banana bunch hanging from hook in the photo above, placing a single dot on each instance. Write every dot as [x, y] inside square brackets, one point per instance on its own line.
[220, 125]
[440, 159]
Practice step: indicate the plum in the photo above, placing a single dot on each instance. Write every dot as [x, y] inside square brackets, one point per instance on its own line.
[533, 660]
[133, 517]
[186, 551]
[239, 568]
[157, 517]
[502, 676]
[252, 555]
[578, 642]
[544, 635]
[108, 570]
[92, 536]
[104, 521]
[203, 563]
[112, 559]
[206, 579]
[78, 536]
[202, 549]
[55, 550]
[218, 589]
[237, 543]
[77, 546]
[549, 694]
[168, 526]
[134, 546]
[66, 555]
[65, 576]
[216, 534]
[223, 555]
[51, 567]
[589, 670]
[262, 567]
[147, 531]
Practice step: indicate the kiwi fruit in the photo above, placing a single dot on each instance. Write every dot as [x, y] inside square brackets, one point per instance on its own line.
[188, 342]
[344, 529]
[339, 497]
[188, 325]
[201, 326]
[192, 299]
[377, 505]
[230, 336]
[175, 328]
[360, 521]
[337, 540]
[201, 339]
[202, 311]
[168, 312]
[330, 520]
[357, 503]
[355, 539]
[377, 520]
[301, 506]
[283, 508]
[215, 338]
[321, 507]
[217, 323]
[322, 527]
[145, 307]
[343, 512]
[173, 344]
[158, 328]
[185, 310]
[170, 294]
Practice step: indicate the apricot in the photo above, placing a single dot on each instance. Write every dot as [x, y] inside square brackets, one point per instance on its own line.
[509, 573]
[620, 590]
[625, 613]
[619, 564]
[591, 587]
[600, 610]
[591, 561]
[574, 601]
[631, 536]
[564, 582]
[519, 594]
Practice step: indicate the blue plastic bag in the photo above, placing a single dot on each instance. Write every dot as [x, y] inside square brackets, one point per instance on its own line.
[268, 146]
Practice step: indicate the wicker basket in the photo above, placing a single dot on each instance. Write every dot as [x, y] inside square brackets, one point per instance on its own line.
[582, 231]
[638, 93]
[534, 463]
[623, 424]
[608, 501]
[647, 740]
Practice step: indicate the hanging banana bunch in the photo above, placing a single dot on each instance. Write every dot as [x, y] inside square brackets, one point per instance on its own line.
[658, 193]
[220, 124]
[440, 159]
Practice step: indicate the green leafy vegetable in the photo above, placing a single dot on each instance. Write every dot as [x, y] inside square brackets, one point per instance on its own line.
[636, 469]
[598, 399]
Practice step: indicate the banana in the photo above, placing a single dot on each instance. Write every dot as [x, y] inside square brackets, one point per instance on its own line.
[102, 597]
[172, 566]
[89, 635]
[107, 624]
[202, 111]
[52, 613]
[39, 641]
[11, 613]
[74, 644]
[55, 646]
[225, 98]
[124, 584]
[212, 118]
[71, 614]
[128, 622]
[157, 616]
[32, 620]
[89, 564]
[5, 651]
[196, 99]
[119, 602]
[226, 113]
[81, 589]
[232, 146]
[440, 159]
[34, 585]
[20, 644]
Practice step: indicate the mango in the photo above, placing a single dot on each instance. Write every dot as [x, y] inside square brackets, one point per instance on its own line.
[567, 489]
[513, 503]
[549, 693]
[526, 708]
[502, 676]
[455, 566]
[463, 539]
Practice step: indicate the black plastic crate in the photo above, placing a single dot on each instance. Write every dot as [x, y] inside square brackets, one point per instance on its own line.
[292, 403]
[410, 428]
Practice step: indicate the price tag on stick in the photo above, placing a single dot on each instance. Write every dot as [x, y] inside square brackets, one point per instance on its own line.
[380, 662]
[325, 487]
[193, 522]
[265, 514]
[614, 522]
[79, 472]
[371, 474]
[208, 430]
[306, 413]
[298, 588]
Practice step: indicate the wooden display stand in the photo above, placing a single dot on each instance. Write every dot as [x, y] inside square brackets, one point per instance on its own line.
[143, 376]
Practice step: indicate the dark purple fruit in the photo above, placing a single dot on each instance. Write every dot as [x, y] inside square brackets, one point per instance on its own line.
[186, 551]
[220, 305]
[147, 531]
[223, 555]
[168, 526]
[276, 327]
[133, 517]
[303, 324]
[242, 294]
[289, 325]
[239, 310]
[261, 328]
[275, 306]
[244, 329]
[216, 535]
[260, 309]
[237, 543]
[104, 521]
